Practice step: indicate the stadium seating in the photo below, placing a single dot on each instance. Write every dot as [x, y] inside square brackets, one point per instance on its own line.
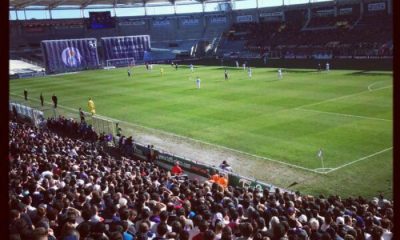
[66, 183]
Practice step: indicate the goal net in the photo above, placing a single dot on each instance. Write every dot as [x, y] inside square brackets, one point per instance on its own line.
[121, 62]
[103, 125]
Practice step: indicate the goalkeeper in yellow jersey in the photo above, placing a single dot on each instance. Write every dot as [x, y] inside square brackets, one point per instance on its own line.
[92, 108]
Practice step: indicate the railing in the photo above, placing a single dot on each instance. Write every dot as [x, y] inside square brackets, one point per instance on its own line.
[31, 62]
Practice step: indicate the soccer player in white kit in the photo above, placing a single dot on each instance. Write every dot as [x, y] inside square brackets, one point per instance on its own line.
[198, 82]
[244, 66]
[327, 67]
[191, 67]
[280, 73]
[237, 64]
[249, 71]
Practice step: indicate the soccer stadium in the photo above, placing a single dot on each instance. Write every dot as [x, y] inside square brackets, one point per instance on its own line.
[201, 119]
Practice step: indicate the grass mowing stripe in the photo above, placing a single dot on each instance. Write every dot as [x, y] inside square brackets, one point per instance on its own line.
[250, 115]
[191, 139]
[345, 96]
[345, 115]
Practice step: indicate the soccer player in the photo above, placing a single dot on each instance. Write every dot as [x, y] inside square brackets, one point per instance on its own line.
[162, 71]
[249, 71]
[176, 66]
[198, 82]
[129, 72]
[191, 67]
[92, 108]
[319, 67]
[280, 73]
[226, 74]
[237, 64]
[327, 67]
[151, 67]
[244, 66]
[41, 99]
[26, 95]
[55, 100]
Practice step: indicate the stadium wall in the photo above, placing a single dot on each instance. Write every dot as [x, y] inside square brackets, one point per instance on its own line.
[382, 64]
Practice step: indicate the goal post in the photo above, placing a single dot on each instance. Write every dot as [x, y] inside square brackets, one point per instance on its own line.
[103, 125]
[121, 62]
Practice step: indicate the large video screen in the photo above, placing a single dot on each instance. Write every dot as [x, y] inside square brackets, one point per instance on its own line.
[70, 54]
[136, 47]
[100, 20]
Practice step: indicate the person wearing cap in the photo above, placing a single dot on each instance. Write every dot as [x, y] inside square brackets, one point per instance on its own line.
[176, 169]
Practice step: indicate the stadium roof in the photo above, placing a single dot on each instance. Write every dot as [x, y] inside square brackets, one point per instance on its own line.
[50, 4]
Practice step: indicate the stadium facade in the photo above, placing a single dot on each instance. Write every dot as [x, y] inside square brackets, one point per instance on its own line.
[323, 30]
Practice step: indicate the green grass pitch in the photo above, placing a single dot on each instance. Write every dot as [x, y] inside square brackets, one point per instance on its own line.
[346, 113]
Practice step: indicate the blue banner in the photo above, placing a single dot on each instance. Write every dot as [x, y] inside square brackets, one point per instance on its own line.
[70, 54]
[126, 47]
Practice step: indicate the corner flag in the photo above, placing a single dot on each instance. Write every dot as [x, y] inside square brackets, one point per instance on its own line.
[319, 154]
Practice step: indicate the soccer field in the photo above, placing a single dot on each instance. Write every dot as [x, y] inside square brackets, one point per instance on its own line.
[347, 114]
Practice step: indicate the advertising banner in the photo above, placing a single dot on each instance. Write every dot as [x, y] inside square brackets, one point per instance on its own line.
[123, 47]
[218, 20]
[190, 21]
[244, 18]
[70, 54]
[130, 21]
[271, 14]
[345, 11]
[161, 22]
[376, 6]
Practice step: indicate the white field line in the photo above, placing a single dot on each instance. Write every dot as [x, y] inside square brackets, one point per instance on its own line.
[372, 84]
[188, 138]
[219, 146]
[344, 115]
[345, 96]
[360, 159]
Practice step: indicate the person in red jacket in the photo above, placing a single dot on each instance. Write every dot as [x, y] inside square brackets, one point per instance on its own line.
[176, 169]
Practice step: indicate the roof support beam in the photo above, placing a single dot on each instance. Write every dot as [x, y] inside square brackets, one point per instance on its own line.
[56, 4]
[25, 4]
[86, 3]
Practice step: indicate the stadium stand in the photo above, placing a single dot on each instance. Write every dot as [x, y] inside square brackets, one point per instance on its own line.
[344, 29]
[20, 69]
[66, 183]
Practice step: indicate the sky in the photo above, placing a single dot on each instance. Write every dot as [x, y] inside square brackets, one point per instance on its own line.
[62, 12]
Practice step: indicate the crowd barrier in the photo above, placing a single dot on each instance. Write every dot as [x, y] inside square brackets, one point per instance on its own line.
[200, 171]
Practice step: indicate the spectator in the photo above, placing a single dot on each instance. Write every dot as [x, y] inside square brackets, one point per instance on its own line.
[55, 100]
[72, 188]
[176, 169]
[225, 166]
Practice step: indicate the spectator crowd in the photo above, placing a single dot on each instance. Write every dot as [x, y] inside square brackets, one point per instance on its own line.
[64, 185]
